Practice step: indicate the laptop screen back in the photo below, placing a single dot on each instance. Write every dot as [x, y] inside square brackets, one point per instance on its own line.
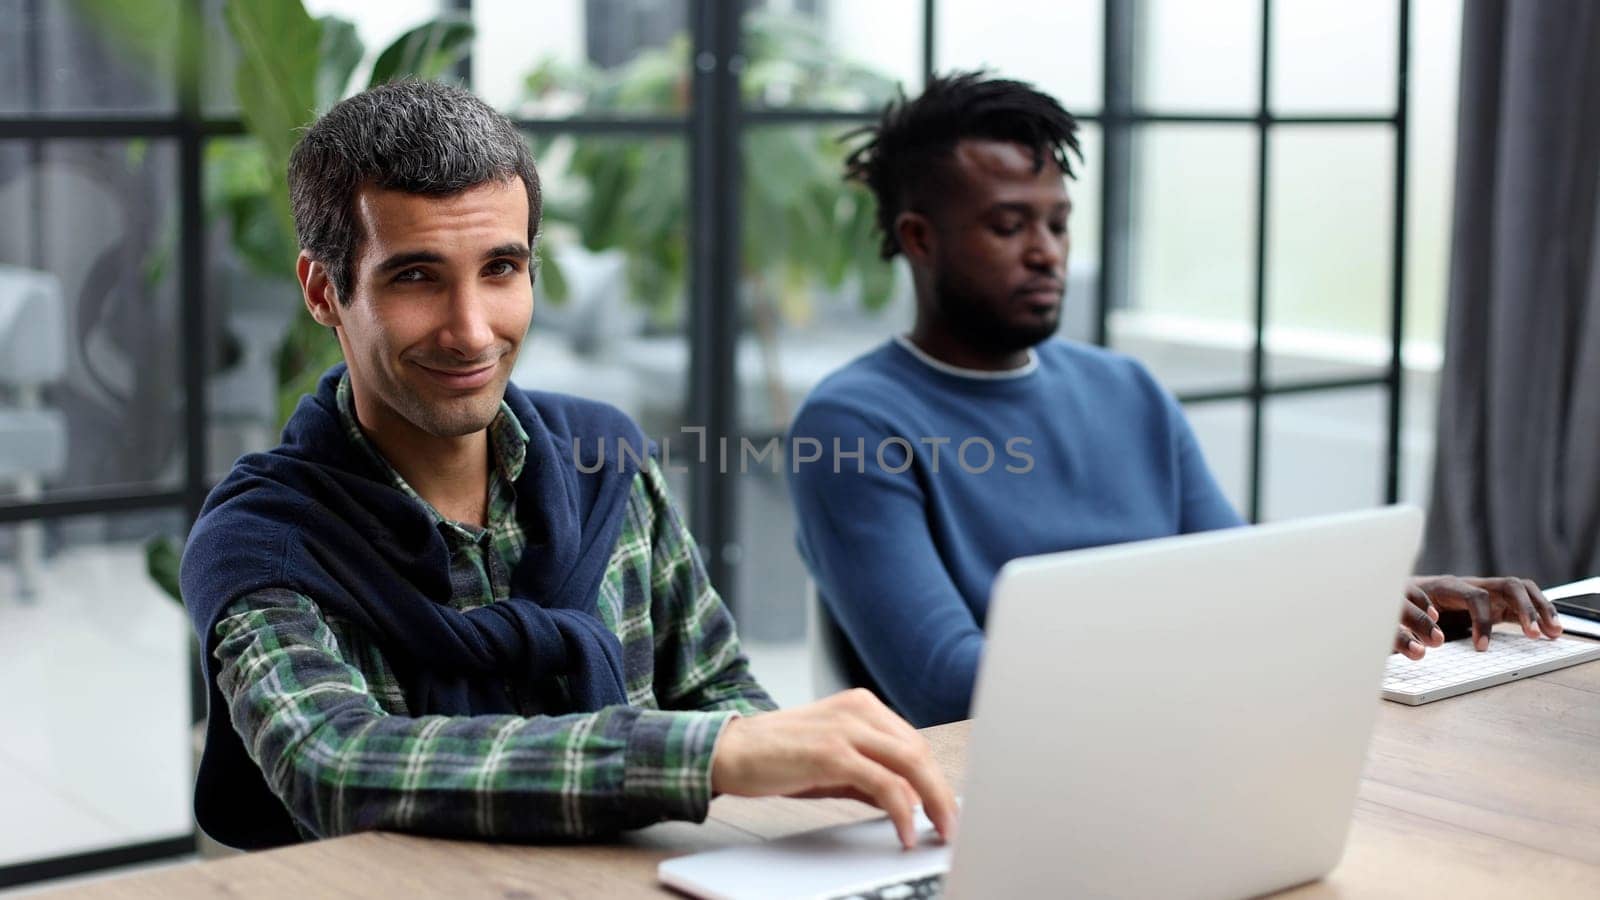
[1185, 717]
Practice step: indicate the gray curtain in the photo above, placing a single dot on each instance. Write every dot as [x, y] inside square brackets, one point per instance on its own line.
[1516, 487]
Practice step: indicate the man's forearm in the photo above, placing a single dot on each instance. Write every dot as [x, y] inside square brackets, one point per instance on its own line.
[341, 764]
[501, 777]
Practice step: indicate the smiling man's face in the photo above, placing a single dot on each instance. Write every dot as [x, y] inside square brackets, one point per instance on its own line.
[440, 303]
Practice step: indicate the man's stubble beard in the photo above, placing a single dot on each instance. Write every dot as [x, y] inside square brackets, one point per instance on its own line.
[462, 416]
[979, 327]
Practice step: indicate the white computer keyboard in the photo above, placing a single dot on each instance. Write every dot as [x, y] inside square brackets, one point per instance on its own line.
[1457, 668]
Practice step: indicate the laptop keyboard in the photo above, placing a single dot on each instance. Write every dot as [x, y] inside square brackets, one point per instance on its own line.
[924, 888]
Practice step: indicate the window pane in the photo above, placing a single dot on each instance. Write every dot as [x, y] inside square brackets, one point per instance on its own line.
[1200, 56]
[816, 291]
[96, 748]
[770, 581]
[567, 57]
[1419, 413]
[221, 57]
[89, 361]
[17, 47]
[1190, 312]
[1434, 72]
[1331, 220]
[377, 25]
[255, 304]
[1083, 262]
[1334, 56]
[816, 295]
[615, 221]
[1057, 46]
[850, 56]
[1430, 167]
[1223, 430]
[58, 59]
[1324, 452]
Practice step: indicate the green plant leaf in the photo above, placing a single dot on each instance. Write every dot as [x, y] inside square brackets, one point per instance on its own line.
[338, 54]
[425, 52]
[276, 79]
[276, 82]
[238, 191]
[162, 558]
[802, 225]
[876, 274]
[145, 35]
[552, 281]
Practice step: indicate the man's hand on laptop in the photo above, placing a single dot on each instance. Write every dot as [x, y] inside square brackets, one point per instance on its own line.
[847, 745]
[1482, 601]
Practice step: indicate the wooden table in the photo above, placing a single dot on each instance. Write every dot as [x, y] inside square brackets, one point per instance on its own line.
[1490, 794]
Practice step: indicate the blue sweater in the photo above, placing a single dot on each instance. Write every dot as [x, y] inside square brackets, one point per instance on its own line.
[1080, 449]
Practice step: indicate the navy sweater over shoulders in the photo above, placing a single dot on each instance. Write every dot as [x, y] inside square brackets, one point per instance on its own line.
[959, 474]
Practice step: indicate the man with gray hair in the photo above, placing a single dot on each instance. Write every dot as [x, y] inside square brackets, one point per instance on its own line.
[425, 611]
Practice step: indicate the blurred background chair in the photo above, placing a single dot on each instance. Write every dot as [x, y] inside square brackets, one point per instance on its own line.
[830, 670]
[33, 438]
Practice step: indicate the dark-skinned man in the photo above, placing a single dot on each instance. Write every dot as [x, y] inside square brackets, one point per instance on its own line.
[978, 438]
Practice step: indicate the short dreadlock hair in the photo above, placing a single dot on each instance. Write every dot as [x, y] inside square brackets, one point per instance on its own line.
[911, 143]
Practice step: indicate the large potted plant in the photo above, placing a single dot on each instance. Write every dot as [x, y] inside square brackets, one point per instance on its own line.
[803, 228]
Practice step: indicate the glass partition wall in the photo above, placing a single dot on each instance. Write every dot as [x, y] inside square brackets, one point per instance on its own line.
[1250, 219]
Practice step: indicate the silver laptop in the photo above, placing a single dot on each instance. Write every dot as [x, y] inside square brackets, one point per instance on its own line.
[1185, 717]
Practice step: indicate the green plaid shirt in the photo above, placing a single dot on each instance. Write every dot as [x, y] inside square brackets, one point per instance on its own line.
[324, 716]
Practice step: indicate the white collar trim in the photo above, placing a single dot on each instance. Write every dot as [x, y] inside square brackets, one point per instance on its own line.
[1022, 371]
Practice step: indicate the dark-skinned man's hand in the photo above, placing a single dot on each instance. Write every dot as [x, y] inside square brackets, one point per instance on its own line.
[1419, 628]
[1436, 604]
